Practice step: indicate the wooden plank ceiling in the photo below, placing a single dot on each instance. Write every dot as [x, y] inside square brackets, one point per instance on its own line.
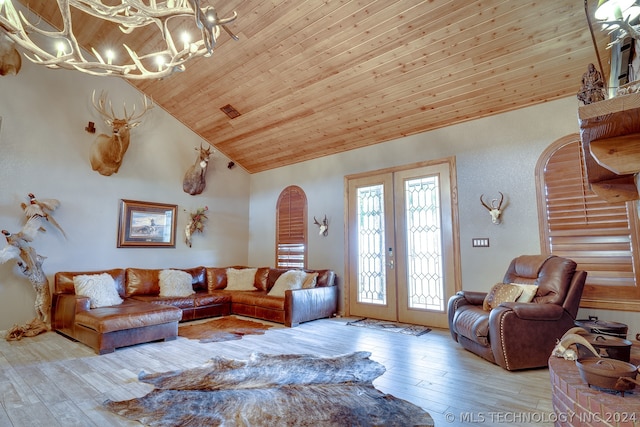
[313, 78]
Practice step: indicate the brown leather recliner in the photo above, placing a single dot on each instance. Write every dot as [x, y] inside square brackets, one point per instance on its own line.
[519, 335]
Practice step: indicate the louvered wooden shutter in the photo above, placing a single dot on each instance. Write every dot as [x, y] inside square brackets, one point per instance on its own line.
[575, 223]
[291, 228]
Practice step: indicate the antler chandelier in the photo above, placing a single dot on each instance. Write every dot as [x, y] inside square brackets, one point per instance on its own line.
[616, 16]
[65, 51]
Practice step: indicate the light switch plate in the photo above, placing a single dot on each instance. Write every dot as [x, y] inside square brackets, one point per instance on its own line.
[480, 242]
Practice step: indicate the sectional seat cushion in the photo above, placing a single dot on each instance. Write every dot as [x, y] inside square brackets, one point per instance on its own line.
[204, 299]
[199, 299]
[180, 302]
[260, 299]
[130, 314]
[99, 288]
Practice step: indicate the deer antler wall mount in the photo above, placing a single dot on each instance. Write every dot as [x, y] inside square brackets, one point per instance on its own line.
[323, 227]
[494, 208]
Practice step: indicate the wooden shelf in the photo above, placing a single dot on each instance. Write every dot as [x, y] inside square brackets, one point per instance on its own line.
[621, 154]
[610, 134]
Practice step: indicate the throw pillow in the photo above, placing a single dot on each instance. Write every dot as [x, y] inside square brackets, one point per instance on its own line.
[99, 288]
[310, 281]
[499, 293]
[292, 279]
[528, 292]
[175, 283]
[241, 279]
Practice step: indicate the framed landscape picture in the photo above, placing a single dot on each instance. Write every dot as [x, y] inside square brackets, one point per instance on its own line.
[147, 224]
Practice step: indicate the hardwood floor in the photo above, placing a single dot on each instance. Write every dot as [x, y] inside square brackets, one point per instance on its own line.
[50, 380]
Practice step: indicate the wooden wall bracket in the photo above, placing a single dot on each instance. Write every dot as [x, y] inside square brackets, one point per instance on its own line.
[610, 135]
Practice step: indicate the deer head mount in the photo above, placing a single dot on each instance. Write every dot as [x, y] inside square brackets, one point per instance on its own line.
[107, 151]
[323, 227]
[10, 60]
[494, 208]
[195, 178]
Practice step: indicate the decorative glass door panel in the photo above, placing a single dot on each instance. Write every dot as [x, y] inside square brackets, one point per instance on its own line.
[371, 236]
[371, 244]
[424, 243]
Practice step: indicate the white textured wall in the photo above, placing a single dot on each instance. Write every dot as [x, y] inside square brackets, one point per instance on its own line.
[44, 149]
[493, 154]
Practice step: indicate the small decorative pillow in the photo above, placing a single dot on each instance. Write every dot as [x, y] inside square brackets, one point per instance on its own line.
[175, 283]
[310, 281]
[292, 279]
[99, 288]
[528, 292]
[499, 293]
[241, 279]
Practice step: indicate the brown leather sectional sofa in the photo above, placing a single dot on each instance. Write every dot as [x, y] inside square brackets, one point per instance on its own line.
[145, 316]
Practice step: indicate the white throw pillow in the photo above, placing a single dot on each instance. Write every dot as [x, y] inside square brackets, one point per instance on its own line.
[292, 279]
[99, 288]
[175, 283]
[241, 279]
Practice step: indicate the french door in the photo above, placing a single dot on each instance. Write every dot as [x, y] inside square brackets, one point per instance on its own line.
[402, 241]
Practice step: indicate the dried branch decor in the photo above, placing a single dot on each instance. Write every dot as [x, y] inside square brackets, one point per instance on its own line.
[38, 213]
[195, 224]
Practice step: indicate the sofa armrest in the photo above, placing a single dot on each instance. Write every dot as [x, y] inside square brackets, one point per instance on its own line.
[460, 299]
[473, 297]
[523, 334]
[533, 311]
[64, 309]
[302, 305]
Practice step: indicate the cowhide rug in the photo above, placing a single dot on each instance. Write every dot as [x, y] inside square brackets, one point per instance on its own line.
[225, 328]
[272, 390]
